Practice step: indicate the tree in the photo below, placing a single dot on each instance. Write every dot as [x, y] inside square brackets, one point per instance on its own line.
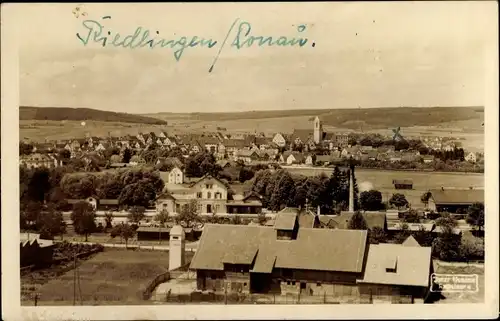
[64, 155]
[245, 174]
[447, 223]
[423, 237]
[108, 217]
[136, 214]
[125, 231]
[371, 200]
[127, 155]
[262, 219]
[83, 217]
[25, 148]
[141, 193]
[162, 218]
[29, 214]
[446, 246]
[471, 247]
[357, 222]
[475, 215]
[425, 198]
[403, 234]
[51, 223]
[398, 200]
[283, 191]
[411, 216]
[236, 220]
[189, 214]
[377, 235]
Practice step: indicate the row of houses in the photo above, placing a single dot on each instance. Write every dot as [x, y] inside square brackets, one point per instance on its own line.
[211, 194]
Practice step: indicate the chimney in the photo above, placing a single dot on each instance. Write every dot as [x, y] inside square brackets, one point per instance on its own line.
[351, 192]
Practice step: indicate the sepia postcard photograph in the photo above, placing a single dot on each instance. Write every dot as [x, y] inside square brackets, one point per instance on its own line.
[273, 160]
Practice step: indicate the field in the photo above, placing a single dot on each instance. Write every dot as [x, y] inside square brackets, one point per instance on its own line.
[112, 277]
[42, 130]
[381, 180]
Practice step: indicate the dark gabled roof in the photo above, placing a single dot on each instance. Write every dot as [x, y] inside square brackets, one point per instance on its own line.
[312, 250]
[237, 143]
[303, 134]
[457, 196]
[108, 202]
[373, 219]
[402, 182]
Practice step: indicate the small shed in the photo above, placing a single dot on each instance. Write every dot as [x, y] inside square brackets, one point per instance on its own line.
[403, 184]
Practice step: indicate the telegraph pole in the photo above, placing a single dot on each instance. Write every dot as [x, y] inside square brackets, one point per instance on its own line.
[74, 280]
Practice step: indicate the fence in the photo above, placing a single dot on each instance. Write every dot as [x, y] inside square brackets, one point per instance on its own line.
[240, 298]
[146, 292]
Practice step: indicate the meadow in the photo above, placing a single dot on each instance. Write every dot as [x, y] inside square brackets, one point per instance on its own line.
[381, 180]
[112, 277]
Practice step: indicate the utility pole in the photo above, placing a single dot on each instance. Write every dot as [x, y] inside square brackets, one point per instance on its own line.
[74, 280]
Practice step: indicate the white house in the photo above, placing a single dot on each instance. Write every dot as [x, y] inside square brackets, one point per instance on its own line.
[176, 176]
[295, 158]
[279, 140]
[471, 157]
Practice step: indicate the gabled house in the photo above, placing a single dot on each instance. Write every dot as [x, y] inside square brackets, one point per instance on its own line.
[454, 200]
[302, 136]
[176, 176]
[427, 159]
[279, 140]
[247, 156]
[310, 159]
[295, 158]
[471, 157]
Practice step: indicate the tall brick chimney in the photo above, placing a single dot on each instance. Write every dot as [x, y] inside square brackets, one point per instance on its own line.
[351, 191]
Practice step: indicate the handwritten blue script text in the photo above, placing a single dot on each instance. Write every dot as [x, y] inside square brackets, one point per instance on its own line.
[240, 33]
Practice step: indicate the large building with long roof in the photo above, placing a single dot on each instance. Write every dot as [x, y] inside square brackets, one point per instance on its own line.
[295, 258]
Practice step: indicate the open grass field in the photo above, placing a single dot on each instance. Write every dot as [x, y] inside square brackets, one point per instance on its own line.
[112, 277]
[381, 180]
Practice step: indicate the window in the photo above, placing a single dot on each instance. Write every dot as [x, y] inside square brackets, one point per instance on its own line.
[293, 282]
[209, 195]
[318, 284]
[175, 237]
[245, 284]
[287, 282]
[209, 208]
[198, 195]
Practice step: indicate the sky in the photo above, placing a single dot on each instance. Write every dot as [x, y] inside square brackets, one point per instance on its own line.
[374, 54]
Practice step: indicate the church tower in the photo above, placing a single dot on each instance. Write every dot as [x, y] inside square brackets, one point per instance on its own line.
[318, 130]
[177, 247]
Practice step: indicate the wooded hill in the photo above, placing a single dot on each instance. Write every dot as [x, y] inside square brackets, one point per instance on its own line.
[83, 114]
